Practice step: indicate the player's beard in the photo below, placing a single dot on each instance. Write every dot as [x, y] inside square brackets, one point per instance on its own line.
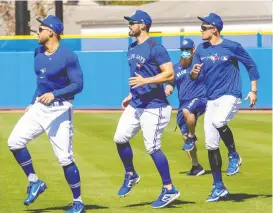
[134, 33]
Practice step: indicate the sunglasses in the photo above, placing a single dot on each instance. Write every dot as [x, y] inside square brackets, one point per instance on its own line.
[41, 29]
[204, 28]
[132, 22]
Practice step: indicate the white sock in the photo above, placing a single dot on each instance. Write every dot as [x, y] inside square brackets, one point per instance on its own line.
[79, 199]
[32, 177]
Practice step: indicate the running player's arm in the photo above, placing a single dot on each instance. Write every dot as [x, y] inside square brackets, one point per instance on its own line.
[249, 64]
[197, 65]
[162, 59]
[251, 67]
[170, 85]
[75, 76]
[169, 89]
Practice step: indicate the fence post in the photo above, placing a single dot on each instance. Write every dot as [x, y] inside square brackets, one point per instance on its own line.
[259, 40]
[181, 39]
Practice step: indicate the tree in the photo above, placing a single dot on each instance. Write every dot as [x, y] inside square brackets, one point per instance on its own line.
[38, 8]
[7, 17]
[42, 7]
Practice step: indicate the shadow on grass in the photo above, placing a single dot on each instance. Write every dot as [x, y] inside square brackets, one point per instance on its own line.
[65, 208]
[172, 205]
[241, 197]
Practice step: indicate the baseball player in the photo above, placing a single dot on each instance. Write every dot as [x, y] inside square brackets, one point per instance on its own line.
[59, 79]
[146, 107]
[192, 102]
[218, 59]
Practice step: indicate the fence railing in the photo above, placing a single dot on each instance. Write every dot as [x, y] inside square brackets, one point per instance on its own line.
[120, 42]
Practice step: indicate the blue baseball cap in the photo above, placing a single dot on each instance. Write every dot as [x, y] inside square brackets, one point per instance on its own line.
[53, 22]
[140, 16]
[214, 20]
[187, 43]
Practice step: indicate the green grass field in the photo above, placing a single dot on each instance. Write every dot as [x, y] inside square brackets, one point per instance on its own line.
[102, 171]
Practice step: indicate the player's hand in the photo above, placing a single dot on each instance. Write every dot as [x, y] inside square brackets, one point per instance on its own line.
[196, 69]
[28, 107]
[253, 98]
[137, 81]
[46, 98]
[126, 101]
[168, 90]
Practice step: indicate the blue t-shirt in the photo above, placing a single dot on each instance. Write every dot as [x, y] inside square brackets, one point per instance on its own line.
[187, 88]
[145, 59]
[221, 69]
[59, 73]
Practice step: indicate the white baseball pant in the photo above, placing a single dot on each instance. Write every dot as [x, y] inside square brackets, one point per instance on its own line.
[218, 113]
[55, 120]
[151, 121]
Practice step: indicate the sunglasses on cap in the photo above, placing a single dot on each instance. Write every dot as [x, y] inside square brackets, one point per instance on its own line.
[132, 22]
[204, 28]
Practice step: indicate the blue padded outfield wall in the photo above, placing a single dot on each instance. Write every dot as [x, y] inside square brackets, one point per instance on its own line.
[106, 74]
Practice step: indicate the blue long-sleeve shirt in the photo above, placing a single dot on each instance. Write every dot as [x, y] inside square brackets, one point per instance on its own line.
[59, 73]
[221, 69]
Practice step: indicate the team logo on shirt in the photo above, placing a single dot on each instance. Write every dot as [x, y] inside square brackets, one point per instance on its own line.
[139, 65]
[181, 73]
[138, 57]
[42, 72]
[214, 58]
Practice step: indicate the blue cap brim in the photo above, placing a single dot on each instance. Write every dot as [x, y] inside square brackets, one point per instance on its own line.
[128, 18]
[39, 20]
[203, 19]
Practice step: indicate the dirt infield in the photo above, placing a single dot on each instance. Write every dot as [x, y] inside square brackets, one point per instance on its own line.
[256, 111]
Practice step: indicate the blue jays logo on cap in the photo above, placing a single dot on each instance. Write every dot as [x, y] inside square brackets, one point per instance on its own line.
[53, 23]
[187, 43]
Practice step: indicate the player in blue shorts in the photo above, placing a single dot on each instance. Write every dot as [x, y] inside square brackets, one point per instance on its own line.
[146, 107]
[59, 78]
[192, 102]
[217, 59]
